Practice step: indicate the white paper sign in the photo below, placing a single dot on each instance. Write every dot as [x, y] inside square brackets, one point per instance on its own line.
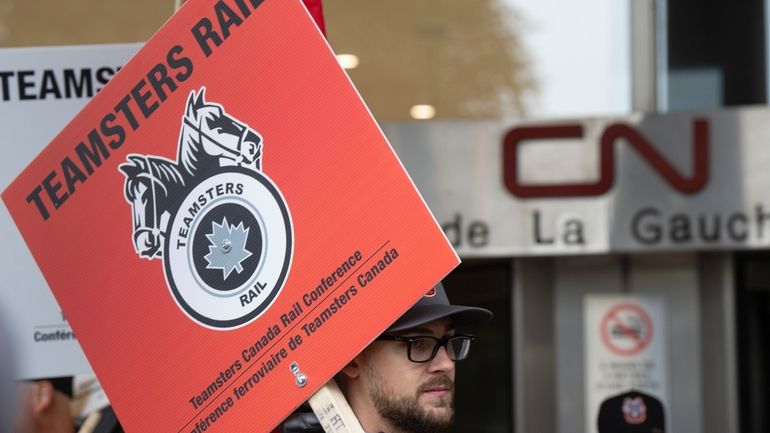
[41, 89]
[625, 349]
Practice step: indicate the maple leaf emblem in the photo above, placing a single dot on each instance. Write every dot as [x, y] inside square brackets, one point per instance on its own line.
[228, 247]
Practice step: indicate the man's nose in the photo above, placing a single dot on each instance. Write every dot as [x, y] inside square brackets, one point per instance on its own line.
[441, 362]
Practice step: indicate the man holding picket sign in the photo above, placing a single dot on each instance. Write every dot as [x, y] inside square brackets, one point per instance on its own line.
[404, 381]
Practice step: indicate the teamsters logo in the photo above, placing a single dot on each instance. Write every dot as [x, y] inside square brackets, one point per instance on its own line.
[220, 225]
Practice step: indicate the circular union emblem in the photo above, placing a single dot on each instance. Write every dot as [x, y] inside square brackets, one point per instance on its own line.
[229, 248]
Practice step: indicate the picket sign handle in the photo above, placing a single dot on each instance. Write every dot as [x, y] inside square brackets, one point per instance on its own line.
[89, 425]
[333, 411]
[328, 403]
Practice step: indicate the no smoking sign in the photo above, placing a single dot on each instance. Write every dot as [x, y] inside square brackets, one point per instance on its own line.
[626, 349]
[626, 329]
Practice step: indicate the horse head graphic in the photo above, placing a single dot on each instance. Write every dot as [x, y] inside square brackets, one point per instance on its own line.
[209, 141]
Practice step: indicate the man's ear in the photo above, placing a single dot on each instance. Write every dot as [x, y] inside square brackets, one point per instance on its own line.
[42, 397]
[353, 369]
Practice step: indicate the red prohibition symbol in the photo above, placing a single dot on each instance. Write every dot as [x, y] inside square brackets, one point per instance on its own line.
[626, 330]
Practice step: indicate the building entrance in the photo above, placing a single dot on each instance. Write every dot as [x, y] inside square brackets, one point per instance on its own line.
[753, 322]
[484, 383]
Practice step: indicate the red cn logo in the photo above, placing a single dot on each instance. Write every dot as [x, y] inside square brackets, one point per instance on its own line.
[685, 185]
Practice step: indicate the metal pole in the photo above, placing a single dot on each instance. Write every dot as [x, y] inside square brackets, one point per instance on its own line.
[649, 72]
[649, 55]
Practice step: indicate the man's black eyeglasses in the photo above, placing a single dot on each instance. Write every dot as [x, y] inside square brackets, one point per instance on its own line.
[424, 348]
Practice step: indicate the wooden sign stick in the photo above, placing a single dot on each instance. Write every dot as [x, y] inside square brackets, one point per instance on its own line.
[333, 411]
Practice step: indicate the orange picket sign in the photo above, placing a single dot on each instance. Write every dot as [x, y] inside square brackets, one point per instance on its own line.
[224, 225]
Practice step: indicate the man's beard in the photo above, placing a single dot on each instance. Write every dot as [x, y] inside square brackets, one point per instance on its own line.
[405, 412]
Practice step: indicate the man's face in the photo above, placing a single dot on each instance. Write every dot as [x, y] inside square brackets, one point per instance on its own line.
[415, 397]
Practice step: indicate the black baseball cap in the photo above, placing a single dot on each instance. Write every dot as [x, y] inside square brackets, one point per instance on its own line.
[435, 305]
[631, 412]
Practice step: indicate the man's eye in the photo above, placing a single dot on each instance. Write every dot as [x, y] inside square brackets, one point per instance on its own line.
[420, 343]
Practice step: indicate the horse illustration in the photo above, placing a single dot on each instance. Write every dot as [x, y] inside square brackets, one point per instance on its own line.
[152, 184]
[209, 141]
[211, 138]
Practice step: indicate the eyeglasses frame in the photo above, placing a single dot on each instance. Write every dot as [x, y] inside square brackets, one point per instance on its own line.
[440, 342]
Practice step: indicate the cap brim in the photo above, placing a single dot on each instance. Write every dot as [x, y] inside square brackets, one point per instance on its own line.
[460, 315]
